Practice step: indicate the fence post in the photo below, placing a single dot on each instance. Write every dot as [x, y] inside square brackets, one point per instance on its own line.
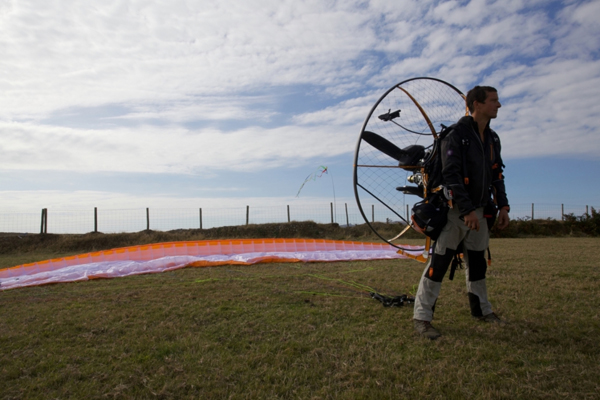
[347, 221]
[587, 211]
[147, 218]
[95, 219]
[562, 212]
[373, 213]
[532, 215]
[200, 218]
[407, 213]
[44, 223]
[331, 204]
[247, 215]
[288, 207]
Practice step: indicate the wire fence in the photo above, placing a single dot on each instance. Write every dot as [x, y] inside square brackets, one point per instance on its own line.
[163, 219]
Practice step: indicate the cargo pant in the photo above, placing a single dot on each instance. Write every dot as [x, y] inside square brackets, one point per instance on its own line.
[474, 245]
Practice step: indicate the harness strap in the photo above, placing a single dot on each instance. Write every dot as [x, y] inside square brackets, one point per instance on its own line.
[456, 263]
[465, 143]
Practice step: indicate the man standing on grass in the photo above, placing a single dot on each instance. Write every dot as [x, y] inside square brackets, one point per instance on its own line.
[473, 177]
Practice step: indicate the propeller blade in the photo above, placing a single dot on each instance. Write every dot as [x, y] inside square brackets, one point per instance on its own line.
[384, 145]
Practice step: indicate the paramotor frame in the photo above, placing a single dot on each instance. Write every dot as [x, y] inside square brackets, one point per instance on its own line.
[396, 141]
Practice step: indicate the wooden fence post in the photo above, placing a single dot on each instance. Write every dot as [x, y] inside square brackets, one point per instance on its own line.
[147, 218]
[587, 211]
[95, 219]
[562, 212]
[44, 224]
[288, 208]
[331, 204]
[247, 215]
[532, 215]
[372, 213]
[200, 218]
[347, 221]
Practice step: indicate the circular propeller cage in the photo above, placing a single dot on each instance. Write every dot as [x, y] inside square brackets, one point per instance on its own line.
[396, 139]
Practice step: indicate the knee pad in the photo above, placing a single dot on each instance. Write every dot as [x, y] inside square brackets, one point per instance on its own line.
[477, 265]
[475, 305]
[439, 266]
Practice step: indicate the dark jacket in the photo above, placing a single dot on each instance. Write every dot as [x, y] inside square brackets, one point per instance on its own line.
[482, 165]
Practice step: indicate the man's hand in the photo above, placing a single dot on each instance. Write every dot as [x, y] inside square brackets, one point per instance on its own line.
[471, 221]
[503, 219]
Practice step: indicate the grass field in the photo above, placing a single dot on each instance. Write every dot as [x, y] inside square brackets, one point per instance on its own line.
[305, 331]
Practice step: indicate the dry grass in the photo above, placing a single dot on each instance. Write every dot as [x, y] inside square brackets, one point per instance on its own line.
[300, 331]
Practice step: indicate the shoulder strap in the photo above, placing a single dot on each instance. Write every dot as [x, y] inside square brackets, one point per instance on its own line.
[465, 146]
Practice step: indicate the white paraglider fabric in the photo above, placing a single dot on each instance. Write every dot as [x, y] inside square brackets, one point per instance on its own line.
[163, 257]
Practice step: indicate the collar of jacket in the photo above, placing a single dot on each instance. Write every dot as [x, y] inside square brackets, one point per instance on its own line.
[470, 122]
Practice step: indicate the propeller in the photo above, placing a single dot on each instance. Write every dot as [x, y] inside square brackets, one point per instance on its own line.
[384, 145]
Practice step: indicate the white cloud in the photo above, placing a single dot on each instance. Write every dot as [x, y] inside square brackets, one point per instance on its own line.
[550, 112]
[578, 31]
[133, 51]
[587, 14]
[170, 149]
[213, 108]
[168, 63]
[350, 112]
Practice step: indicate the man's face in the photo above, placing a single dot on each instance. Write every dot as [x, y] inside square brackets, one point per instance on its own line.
[490, 107]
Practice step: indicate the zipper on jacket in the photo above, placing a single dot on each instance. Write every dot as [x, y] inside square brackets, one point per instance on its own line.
[481, 144]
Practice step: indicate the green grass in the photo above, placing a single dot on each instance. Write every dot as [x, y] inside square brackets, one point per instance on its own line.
[301, 331]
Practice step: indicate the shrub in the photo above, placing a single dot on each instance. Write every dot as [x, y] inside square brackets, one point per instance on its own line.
[572, 225]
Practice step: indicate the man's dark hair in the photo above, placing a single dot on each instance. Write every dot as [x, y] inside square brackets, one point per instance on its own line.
[479, 94]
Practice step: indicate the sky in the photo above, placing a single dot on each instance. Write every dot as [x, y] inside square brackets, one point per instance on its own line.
[228, 103]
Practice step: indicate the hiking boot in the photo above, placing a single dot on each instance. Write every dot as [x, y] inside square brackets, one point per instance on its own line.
[492, 318]
[426, 330]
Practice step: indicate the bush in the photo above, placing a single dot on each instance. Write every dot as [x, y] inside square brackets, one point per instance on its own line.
[584, 225]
